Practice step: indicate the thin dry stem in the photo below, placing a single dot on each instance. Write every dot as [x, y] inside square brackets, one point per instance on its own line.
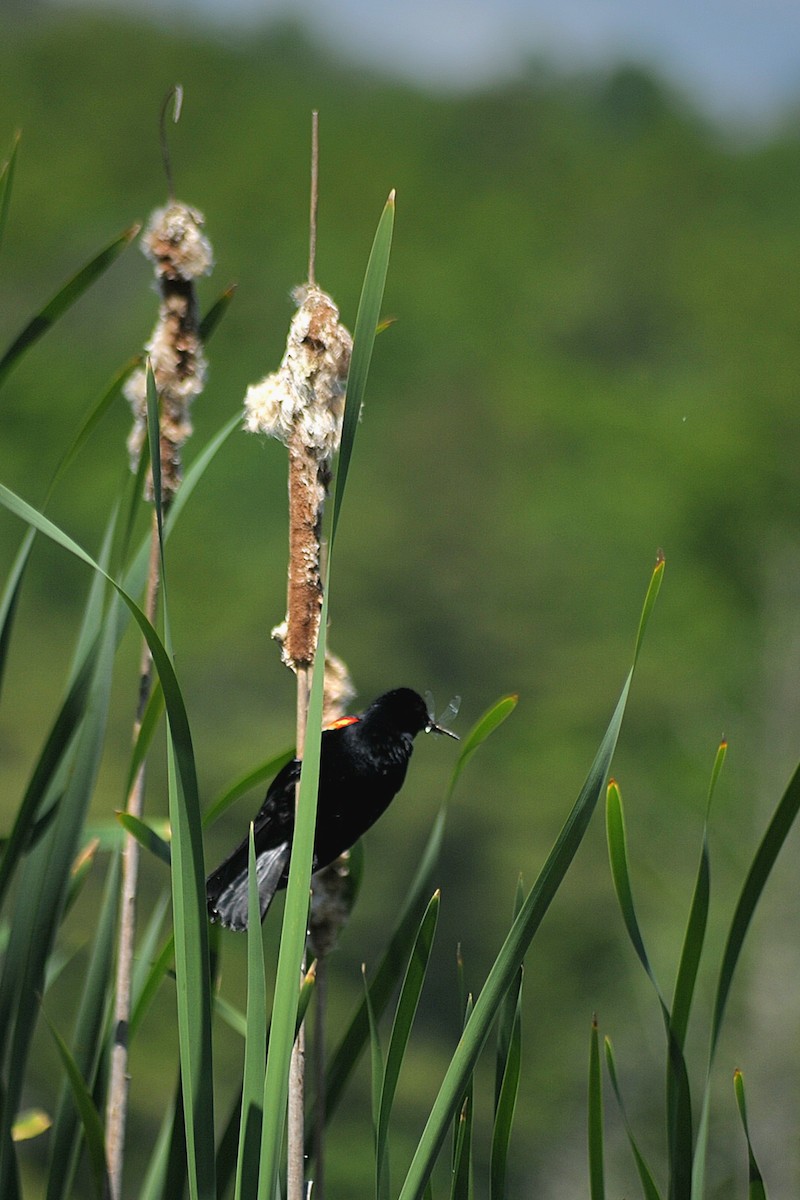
[320, 1055]
[117, 1101]
[312, 220]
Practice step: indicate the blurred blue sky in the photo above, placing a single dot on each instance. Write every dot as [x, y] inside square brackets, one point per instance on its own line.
[739, 58]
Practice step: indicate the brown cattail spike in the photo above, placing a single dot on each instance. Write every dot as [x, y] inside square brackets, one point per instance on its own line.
[302, 404]
[180, 251]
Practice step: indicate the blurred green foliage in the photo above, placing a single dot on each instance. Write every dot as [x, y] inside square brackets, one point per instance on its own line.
[594, 355]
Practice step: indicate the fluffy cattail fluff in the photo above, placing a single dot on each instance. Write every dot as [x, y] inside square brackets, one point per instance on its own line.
[333, 893]
[302, 404]
[333, 890]
[306, 393]
[175, 243]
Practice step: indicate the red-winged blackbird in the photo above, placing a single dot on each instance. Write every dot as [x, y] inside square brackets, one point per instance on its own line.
[363, 764]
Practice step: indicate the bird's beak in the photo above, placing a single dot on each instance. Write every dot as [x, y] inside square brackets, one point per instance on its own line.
[432, 727]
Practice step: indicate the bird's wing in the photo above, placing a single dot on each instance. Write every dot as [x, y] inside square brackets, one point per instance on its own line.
[226, 889]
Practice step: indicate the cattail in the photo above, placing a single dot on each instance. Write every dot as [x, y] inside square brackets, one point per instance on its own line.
[181, 252]
[302, 404]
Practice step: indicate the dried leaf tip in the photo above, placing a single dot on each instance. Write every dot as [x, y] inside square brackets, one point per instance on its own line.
[305, 396]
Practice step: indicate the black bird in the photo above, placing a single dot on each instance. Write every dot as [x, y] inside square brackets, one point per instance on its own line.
[363, 764]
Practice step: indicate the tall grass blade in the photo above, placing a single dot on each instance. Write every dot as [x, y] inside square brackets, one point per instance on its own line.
[756, 1190]
[153, 1184]
[698, 918]
[483, 727]
[40, 786]
[146, 836]
[376, 1088]
[10, 599]
[212, 318]
[153, 712]
[7, 182]
[260, 774]
[520, 936]
[597, 1179]
[255, 1047]
[64, 299]
[369, 311]
[147, 971]
[461, 1174]
[509, 1066]
[90, 1118]
[771, 844]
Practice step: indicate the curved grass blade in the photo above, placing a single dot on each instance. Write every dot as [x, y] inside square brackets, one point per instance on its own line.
[211, 320]
[401, 1031]
[150, 985]
[756, 1190]
[150, 719]
[649, 603]
[90, 423]
[90, 1118]
[255, 1047]
[64, 299]
[260, 774]
[679, 1108]
[146, 836]
[597, 1181]
[7, 182]
[376, 1087]
[153, 1184]
[147, 969]
[771, 844]
[367, 318]
[508, 1012]
[485, 725]
[55, 748]
[190, 921]
[649, 1188]
[10, 600]
[520, 937]
[696, 925]
[618, 857]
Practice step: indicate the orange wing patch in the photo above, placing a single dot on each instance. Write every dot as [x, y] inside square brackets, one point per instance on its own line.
[340, 724]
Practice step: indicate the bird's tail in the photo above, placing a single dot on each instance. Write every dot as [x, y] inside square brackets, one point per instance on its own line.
[226, 888]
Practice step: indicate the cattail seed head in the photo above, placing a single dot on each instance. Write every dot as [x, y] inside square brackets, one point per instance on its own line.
[175, 243]
[305, 396]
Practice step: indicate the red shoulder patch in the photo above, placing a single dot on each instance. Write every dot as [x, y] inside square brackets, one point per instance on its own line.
[340, 724]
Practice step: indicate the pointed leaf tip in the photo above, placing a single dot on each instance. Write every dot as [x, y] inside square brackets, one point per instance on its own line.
[392, 197]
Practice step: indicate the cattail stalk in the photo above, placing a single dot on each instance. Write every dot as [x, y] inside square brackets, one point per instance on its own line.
[180, 252]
